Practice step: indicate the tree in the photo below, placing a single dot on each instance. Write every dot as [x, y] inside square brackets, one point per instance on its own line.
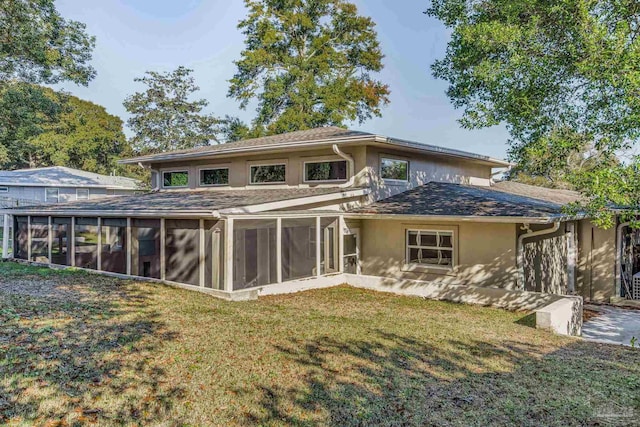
[561, 75]
[84, 136]
[163, 118]
[307, 63]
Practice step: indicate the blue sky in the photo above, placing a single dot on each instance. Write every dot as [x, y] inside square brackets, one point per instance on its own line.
[134, 36]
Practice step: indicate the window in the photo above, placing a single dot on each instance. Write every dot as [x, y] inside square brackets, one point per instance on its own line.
[215, 176]
[325, 171]
[4, 189]
[52, 195]
[175, 179]
[82, 194]
[268, 174]
[394, 170]
[430, 248]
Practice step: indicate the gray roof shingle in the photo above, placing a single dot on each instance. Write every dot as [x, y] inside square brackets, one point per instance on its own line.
[447, 199]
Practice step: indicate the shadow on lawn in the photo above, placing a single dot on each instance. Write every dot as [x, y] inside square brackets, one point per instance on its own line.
[392, 380]
[87, 357]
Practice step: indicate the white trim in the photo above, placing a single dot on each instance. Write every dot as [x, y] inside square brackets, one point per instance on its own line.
[325, 181]
[228, 255]
[278, 250]
[206, 168]
[283, 204]
[318, 256]
[413, 266]
[83, 189]
[5, 235]
[46, 195]
[178, 170]
[383, 157]
[61, 185]
[268, 163]
[467, 218]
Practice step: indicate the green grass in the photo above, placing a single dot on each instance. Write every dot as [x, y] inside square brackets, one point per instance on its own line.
[76, 349]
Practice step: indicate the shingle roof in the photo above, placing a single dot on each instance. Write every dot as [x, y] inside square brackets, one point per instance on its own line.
[172, 201]
[552, 195]
[447, 199]
[322, 136]
[59, 176]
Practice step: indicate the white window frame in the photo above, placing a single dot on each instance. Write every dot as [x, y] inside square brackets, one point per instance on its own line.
[4, 189]
[46, 194]
[323, 181]
[409, 266]
[207, 168]
[78, 190]
[162, 172]
[395, 159]
[274, 163]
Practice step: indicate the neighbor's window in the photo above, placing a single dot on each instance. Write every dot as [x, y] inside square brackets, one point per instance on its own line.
[4, 189]
[217, 176]
[393, 169]
[268, 174]
[326, 171]
[52, 195]
[430, 248]
[175, 179]
[82, 194]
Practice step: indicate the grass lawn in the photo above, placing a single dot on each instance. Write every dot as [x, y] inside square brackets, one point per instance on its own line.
[77, 349]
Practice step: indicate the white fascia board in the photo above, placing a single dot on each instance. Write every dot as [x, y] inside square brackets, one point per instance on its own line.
[453, 218]
[285, 204]
[49, 185]
[112, 214]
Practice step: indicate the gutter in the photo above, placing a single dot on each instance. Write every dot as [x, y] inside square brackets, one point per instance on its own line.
[352, 165]
[157, 186]
[529, 234]
[459, 218]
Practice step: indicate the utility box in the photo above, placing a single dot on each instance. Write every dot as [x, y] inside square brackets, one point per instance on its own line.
[635, 287]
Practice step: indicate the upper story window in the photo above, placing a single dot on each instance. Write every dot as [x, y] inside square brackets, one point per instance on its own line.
[268, 174]
[430, 248]
[175, 179]
[4, 189]
[82, 194]
[334, 170]
[394, 169]
[214, 176]
[52, 195]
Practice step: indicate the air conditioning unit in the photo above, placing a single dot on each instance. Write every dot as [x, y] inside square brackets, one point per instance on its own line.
[635, 287]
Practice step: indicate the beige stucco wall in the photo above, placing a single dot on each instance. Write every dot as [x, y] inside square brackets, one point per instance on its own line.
[595, 278]
[423, 169]
[485, 252]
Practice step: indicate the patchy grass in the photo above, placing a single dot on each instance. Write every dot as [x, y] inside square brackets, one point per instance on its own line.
[77, 349]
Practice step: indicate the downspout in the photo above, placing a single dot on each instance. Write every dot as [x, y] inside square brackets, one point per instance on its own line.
[352, 165]
[529, 234]
[618, 270]
[157, 186]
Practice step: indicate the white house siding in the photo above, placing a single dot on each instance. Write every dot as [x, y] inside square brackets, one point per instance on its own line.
[66, 194]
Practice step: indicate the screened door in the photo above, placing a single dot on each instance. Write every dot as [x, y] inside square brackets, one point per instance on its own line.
[351, 259]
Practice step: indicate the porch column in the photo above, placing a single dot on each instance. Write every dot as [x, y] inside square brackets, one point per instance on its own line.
[202, 265]
[340, 260]
[29, 237]
[128, 254]
[318, 254]
[50, 239]
[72, 244]
[163, 249]
[6, 231]
[228, 255]
[279, 250]
[99, 254]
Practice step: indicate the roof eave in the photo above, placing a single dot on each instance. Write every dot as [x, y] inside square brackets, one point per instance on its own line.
[466, 218]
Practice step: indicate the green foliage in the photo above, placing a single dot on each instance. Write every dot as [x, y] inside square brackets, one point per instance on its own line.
[37, 45]
[163, 118]
[563, 76]
[307, 63]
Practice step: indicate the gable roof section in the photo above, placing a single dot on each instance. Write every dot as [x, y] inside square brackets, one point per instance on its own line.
[324, 136]
[458, 201]
[59, 176]
[193, 203]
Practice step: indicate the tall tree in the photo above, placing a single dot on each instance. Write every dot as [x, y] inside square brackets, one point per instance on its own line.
[308, 63]
[84, 136]
[163, 117]
[547, 69]
[37, 45]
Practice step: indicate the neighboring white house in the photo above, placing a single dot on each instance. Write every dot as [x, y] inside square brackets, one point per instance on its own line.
[60, 184]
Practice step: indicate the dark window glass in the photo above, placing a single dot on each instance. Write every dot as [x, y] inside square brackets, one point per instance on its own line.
[214, 176]
[326, 171]
[394, 169]
[268, 174]
[175, 179]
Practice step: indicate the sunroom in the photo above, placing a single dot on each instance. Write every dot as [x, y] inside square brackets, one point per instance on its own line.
[228, 254]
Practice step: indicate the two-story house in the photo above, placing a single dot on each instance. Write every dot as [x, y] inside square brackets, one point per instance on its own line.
[316, 207]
